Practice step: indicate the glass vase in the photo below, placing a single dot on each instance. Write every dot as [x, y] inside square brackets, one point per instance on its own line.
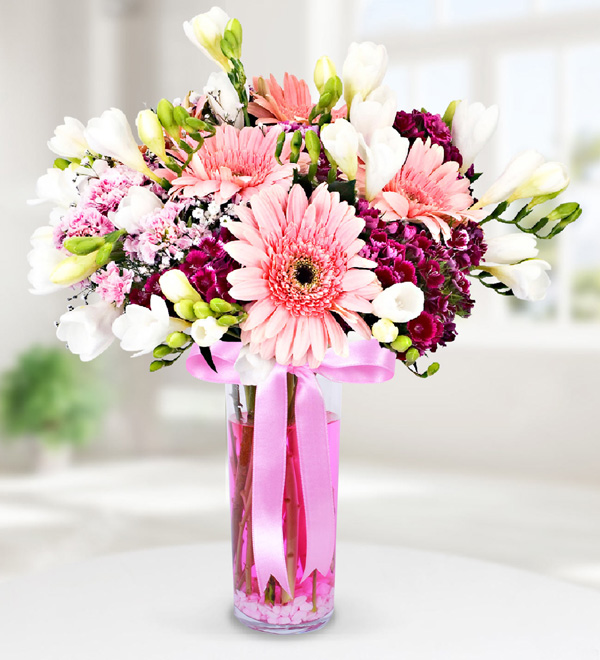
[309, 606]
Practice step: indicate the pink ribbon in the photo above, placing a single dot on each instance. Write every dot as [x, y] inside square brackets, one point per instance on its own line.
[367, 362]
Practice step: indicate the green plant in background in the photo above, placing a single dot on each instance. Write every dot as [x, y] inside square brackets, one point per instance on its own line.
[50, 396]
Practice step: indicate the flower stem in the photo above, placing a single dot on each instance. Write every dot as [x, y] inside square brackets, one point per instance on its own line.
[314, 591]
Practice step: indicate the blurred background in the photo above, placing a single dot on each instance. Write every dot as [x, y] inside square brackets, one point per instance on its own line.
[497, 457]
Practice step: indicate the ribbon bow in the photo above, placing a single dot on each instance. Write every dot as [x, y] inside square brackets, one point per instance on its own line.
[367, 362]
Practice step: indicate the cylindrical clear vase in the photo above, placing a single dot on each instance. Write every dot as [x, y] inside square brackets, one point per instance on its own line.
[310, 605]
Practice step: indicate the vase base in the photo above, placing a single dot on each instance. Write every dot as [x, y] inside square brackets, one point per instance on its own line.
[282, 628]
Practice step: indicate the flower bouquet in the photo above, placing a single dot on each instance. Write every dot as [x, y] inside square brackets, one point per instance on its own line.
[286, 246]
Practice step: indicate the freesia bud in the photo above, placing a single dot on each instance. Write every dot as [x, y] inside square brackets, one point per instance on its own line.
[83, 245]
[449, 113]
[472, 126]
[176, 287]
[164, 111]
[74, 269]
[341, 141]
[401, 344]
[202, 310]
[206, 32]
[313, 146]
[151, 133]
[363, 70]
[385, 331]
[110, 135]
[412, 355]
[324, 70]
[185, 310]
[235, 27]
[156, 365]
[162, 351]
[176, 339]
[220, 306]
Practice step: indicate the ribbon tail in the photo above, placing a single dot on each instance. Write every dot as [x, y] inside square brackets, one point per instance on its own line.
[268, 480]
[317, 489]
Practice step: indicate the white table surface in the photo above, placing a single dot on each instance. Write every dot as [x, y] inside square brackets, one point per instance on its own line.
[176, 604]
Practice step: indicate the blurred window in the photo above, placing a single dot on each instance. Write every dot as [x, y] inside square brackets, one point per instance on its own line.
[544, 72]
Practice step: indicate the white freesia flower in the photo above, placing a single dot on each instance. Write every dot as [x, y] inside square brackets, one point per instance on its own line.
[224, 100]
[341, 141]
[252, 368]
[206, 332]
[69, 139]
[43, 259]
[472, 126]
[518, 171]
[87, 329]
[400, 302]
[176, 287]
[547, 179]
[57, 186]
[385, 331]
[377, 110]
[510, 248]
[141, 329]
[110, 135]
[528, 279]
[383, 157]
[74, 269]
[137, 203]
[206, 31]
[363, 70]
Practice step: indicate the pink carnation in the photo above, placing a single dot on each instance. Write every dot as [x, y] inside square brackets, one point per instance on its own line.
[162, 231]
[84, 221]
[105, 193]
[113, 284]
[235, 162]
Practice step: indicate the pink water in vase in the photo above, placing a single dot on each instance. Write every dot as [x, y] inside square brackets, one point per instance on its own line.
[310, 603]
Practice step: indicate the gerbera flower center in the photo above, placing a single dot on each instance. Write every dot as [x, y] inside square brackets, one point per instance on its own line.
[305, 273]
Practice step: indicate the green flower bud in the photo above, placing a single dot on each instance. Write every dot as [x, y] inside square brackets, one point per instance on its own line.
[295, 146]
[185, 310]
[83, 244]
[220, 306]
[103, 255]
[228, 49]
[563, 211]
[412, 355]
[176, 339]
[234, 26]
[61, 163]
[233, 43]
[196, 124]
[433, 368]
[156, 365]
[202, 310]
[164, 112]
[326, 100]
[449, 114]
[279, 145]
[401, 344]
[313, 146]
[334, 87]
[227, 320]
[161, 351]
[181, 115]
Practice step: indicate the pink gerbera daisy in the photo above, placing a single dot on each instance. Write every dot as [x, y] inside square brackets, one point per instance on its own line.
[273, 104]
[427, 190]
[300, 265]
[234, 162]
